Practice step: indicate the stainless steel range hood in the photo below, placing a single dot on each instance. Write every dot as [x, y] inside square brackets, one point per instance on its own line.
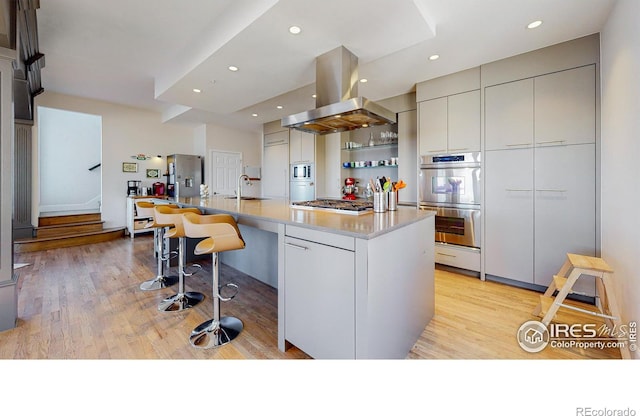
[338, 106]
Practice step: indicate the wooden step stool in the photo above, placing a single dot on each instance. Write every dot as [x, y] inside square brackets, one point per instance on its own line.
[575, 266]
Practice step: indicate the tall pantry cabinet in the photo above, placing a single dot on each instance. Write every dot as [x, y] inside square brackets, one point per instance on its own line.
[540, 174]
[275, 165]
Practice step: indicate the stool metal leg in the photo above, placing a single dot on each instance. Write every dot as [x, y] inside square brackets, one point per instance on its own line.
[217, 331]
[160, 281]
[181, 300]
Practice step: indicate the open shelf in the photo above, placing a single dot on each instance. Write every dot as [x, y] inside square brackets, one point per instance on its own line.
[377, 146]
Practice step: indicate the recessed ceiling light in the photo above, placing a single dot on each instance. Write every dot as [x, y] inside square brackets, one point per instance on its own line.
[197, 90]
[434, 57]
[254, 115]
[279, 107]
[314, 96]
[294, 30]
[363, 80]
[233, 68]
[534, 25]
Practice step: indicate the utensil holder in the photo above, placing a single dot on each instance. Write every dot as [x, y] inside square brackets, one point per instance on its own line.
[393, 201]
[379, 202]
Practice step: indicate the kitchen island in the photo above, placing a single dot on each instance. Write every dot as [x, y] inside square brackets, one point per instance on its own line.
[349, 286]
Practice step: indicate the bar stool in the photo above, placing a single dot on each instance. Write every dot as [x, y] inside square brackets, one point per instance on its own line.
[181, 300]
[146, 209]
[222, 234]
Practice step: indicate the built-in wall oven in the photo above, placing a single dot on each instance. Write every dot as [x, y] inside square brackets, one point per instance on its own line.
[450, 185]
[301, 185]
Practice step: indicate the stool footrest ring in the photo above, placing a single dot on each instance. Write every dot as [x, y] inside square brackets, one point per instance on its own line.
[227, 298]
[172, 255]
[198, 270]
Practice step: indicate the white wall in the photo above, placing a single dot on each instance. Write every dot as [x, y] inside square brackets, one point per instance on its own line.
[126, 131]
[230, 140]
[620, 82]
[61, 169]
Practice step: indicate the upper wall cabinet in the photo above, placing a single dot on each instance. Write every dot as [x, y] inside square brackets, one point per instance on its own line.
[565, 107]
[276, 138]
[302, 146]
[508, 112]
[450, 124]
[549, 110]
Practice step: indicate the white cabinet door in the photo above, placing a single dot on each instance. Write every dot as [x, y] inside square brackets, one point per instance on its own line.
[302, 147]
[508, 115]
[508, 212]
[275, 168]
[295, 145]
[565, 107]
[464, 122]
[279, 137]
[320, 299]
[307, 147]
[432, 129]
[564, 208]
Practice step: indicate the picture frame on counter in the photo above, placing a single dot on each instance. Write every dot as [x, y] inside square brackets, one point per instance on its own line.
[130, 167]
[153, 173]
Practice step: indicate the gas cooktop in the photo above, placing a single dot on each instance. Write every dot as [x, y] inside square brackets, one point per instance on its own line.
[343, 206]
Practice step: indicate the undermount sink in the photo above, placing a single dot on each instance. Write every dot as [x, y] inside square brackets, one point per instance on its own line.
[246, 198]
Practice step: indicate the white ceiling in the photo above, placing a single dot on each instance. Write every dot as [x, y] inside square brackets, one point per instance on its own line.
[152, 53]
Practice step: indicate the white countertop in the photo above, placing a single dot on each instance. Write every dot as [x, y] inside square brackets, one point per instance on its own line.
[365, 226]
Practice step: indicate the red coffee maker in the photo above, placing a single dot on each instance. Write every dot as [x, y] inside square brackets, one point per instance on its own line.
[349, 190]
[158, 189]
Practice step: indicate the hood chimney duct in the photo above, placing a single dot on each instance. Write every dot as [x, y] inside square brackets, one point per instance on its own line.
[336, 77]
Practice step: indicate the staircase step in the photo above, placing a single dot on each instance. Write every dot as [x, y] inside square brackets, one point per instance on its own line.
[68, 219]
[28, 245]
[66, 229]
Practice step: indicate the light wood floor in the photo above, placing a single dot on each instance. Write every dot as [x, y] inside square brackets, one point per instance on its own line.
[84, 302]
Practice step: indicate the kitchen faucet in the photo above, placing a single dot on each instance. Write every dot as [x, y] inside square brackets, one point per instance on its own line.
[239, 190]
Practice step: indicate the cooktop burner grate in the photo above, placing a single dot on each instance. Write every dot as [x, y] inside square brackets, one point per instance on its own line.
[335, 204]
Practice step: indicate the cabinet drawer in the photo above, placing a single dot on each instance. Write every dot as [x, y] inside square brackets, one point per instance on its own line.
[140, 224]
[330, 239]
[461, 257]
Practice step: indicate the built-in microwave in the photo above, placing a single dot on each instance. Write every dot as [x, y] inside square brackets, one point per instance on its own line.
[301, 171]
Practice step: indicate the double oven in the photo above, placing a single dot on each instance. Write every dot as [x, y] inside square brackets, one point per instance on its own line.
[450, 185]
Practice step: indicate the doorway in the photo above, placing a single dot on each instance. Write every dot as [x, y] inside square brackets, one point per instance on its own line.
[226, 167]
[70, 150]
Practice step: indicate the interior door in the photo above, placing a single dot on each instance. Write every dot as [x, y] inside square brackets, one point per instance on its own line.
[226, 167]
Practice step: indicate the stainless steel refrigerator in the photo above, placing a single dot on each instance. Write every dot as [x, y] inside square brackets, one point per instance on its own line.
[185, 175]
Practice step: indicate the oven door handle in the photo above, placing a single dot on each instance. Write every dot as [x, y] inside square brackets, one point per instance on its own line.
[449, 209]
